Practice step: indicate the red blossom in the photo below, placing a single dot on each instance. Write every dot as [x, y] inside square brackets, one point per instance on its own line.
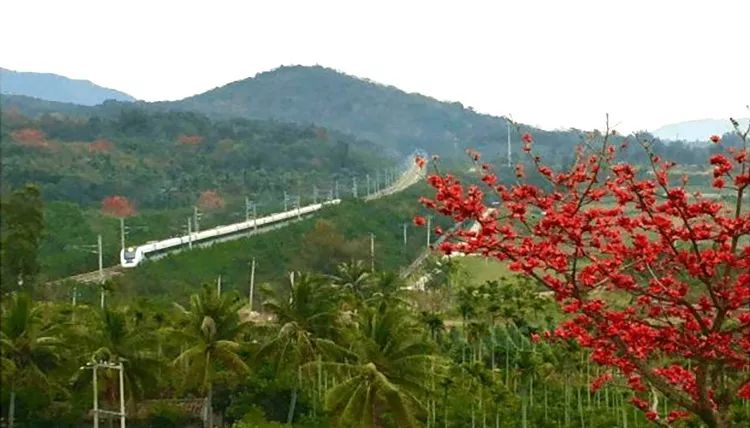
[420, 161]
[597, 383]
[744, 391]
[527, 140]
[419, 220]
[676, 415]
[681, 260]
[715, 139]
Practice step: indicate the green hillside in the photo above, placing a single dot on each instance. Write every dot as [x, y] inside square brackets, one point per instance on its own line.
[166, 159]
[397, 120]
[385, 114]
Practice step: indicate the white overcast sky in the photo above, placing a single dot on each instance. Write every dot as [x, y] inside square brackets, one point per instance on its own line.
[548, 63]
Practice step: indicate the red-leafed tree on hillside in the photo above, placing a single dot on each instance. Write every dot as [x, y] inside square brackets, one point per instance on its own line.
[210, 200]
[117, 206]
[101, 145]
[30, 137]
[189, 140]
[120, 207]
[656, 281]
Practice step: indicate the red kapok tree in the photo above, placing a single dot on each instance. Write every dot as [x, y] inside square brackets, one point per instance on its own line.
[117, 206]
[656, 281]
[101, 145]
[210, 200]
[30, 137]
[189, 140]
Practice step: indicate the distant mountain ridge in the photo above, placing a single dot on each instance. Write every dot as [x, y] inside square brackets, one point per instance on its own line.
[53, 87]
[372, 111]
[696, 130]
[381, 117]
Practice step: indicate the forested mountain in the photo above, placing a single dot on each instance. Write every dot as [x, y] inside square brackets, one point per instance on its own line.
[53, 87]
[383, 114]
[166, 159]
[370, 110]
[396, 121]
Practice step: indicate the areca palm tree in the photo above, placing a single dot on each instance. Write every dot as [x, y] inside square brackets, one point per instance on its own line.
[306, 313]
[385, 371]
[29, 349]
[213, 325]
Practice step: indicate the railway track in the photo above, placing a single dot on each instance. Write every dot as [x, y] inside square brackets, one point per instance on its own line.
[91, 277]
[410, 177]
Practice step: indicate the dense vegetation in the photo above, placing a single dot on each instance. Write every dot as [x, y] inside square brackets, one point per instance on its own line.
[165, 160]
[338, 234]
[343, 350]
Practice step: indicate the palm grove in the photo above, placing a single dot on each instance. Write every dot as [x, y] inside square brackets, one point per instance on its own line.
[347, 348]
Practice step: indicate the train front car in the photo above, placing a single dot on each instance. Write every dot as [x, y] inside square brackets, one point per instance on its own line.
[130, 257]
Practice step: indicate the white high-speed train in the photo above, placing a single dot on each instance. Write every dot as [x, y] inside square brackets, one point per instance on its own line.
[130, 257]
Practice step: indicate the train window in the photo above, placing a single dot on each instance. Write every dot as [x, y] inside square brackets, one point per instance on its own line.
[129, 254]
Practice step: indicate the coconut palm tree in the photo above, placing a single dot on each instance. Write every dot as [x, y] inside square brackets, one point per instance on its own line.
[29, 348]
[385, 371]
[117, 340]
[213, 326]
[306, 313]
[354, 275]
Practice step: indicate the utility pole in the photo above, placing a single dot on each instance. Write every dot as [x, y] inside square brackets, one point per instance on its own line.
[190, 234]
[336, 186]
[298, 202]
[252, 283]
[122, 394]
[122, 233]
[377, 181]
[196, 216]
[405, 226]
[101, 269]
[368, 184]
[96, 400]
[354, 187]
[247, 209]
[101, 265]
[372, 252]
[509, 163]
[285, 205]
[218, 286]
[94, 366]
[255, 218]
[315, 194]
